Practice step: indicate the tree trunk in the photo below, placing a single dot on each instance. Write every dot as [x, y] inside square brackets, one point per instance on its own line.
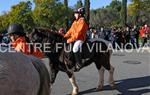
[124, 12]
[87, 10]
[66, 18]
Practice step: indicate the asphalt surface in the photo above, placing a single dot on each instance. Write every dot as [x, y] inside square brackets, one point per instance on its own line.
[132, 76]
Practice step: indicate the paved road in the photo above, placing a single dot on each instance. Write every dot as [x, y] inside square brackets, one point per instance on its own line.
[132, 75]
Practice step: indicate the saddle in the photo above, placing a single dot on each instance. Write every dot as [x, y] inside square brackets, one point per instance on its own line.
[88, 48]
[85, 53]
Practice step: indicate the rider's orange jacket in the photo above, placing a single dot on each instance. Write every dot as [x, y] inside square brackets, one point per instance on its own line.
[77, 31]
[21, 45]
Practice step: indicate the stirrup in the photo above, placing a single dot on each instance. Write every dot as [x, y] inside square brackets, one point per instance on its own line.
[77, 68]
[70, 70]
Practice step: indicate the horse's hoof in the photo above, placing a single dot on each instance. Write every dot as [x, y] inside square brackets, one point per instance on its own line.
[99, 89]
[113, 86]
[74, 94]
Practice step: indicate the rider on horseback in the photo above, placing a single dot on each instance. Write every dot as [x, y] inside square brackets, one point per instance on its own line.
[19, 41]
[77, 35]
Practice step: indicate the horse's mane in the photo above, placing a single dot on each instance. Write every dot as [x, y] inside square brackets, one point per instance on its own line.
[48, 32]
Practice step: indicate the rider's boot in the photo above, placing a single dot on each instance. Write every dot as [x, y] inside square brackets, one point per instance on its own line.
[79, 63]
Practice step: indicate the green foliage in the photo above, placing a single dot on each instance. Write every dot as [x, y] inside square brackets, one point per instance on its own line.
[115, 14]
[4, 22]
[139, 12]
[106, 16]
[20, 13]
[79, 4]
[134, 10]
[116, 5]
[48, 13]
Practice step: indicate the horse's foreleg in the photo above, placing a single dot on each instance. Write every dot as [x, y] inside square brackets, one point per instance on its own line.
[72, 80]
[111, 78]
[53, 75]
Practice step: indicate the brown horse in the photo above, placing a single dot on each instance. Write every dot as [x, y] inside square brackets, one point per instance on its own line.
[19, 76]
[62, 60]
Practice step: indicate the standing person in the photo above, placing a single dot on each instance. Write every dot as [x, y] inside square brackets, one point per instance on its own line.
[147, 31]
[127, 36]
[94, 33]
[118, 35]
[132, 35]
[143, 36]
[113, 31]
[136, 30]
[101, 33]
[77, 35]
[19, 41]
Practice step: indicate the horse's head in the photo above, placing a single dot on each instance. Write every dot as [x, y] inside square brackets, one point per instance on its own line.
[36, 36]
[43, 35]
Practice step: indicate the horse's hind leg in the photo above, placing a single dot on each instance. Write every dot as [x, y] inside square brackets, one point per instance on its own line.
[106, 64]
[111, 77]
[72, 80]
[111, 72]
[101, 71]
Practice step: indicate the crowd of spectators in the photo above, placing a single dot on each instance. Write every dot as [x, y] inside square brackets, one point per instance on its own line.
[130, 36]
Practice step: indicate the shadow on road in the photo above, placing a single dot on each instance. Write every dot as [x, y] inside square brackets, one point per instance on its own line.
[136, 84]
[133, 86]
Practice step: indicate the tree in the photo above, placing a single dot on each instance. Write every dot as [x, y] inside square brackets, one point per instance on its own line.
[1, 24]
[104, 17]
[4, 22]
[66, 17]
[124, 12]
[115, 5]
[20, 13]
[107, 16]
[138, 12]
[48, 13]
[79, 4]
[87, 10]
[145, 18]
[134, 10]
